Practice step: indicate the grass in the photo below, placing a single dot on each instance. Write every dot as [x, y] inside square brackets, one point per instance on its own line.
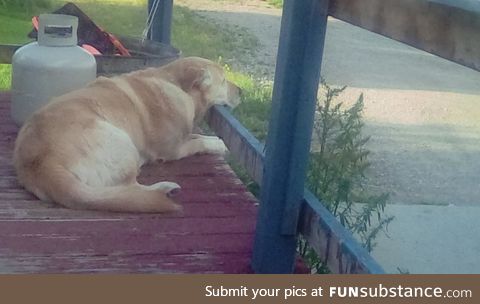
[254, 111]
[276, 3]
[15, 22]
[190, 33]
[5, 76]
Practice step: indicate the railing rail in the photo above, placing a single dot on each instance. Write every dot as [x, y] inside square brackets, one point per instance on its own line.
[446, 28]
[334, 244]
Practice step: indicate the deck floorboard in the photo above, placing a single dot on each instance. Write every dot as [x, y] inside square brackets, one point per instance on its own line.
[213, 234]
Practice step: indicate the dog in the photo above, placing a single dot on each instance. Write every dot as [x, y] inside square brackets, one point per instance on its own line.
[84, 149]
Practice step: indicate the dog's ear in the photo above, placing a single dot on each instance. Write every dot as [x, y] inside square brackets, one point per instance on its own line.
[197, 77]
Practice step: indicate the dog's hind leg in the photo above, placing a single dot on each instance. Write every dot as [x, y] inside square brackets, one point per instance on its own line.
[169, 188]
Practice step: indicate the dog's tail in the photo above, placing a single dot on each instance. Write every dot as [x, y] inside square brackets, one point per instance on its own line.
[61, 186]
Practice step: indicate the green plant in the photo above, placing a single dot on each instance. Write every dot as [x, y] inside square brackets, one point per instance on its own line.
[337, 171]
[311, 258]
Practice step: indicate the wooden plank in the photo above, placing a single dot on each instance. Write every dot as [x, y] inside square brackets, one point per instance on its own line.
[244, 147]
[196, 183]
[124, 263]
[151, 226]
[120, 242]
[30, 210]
[446, 28]
[192, 196]
[332, 242]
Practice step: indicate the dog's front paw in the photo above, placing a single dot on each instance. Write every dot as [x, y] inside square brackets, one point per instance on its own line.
[217, 146]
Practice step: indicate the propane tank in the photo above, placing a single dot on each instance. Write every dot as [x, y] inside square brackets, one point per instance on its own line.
[50, 67]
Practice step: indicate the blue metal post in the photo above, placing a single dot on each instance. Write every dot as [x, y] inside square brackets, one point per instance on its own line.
[162, 20]
[297, 76]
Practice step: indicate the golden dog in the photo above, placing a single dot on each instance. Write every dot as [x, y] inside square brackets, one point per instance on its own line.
[84, 149]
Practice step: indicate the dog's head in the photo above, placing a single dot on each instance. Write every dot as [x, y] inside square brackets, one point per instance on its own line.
[205, 81]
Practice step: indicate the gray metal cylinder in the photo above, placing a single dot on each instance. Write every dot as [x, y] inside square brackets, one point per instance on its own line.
[51, 67]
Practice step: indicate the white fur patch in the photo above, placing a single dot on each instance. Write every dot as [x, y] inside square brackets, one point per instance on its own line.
[112, 157]
[216, 146]
[202, 144]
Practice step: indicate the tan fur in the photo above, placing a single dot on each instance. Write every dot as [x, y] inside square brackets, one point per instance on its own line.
[85, 148]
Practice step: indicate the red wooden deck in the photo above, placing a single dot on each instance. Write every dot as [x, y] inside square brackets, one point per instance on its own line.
[214, 234]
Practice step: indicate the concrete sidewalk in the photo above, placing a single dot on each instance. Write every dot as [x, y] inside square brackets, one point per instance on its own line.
[431, 239]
